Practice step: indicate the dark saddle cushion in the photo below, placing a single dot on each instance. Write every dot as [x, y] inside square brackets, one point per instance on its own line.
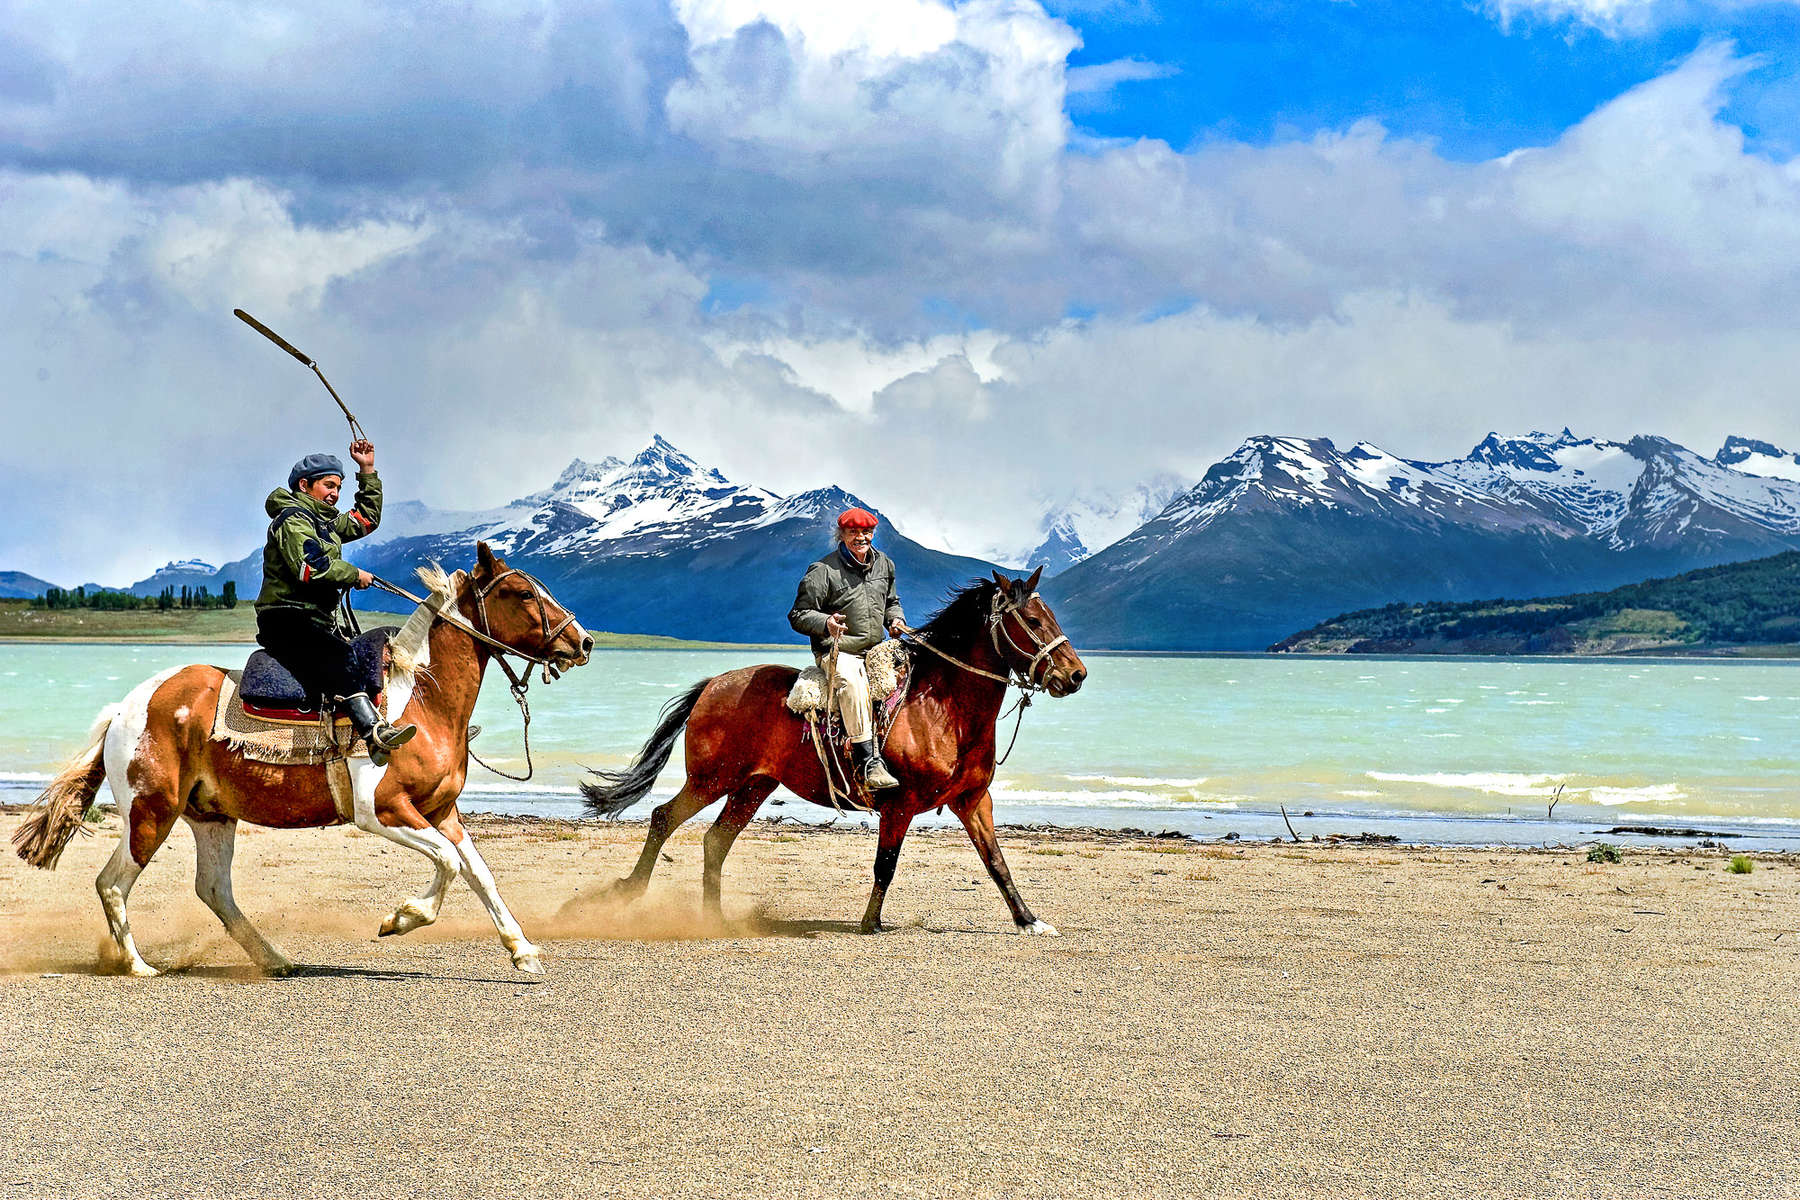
[269, 685]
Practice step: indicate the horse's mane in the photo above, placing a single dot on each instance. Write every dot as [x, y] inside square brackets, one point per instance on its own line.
[954, 627]
[435, 578]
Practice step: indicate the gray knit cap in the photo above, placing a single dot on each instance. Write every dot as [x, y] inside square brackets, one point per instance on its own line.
[313, 466]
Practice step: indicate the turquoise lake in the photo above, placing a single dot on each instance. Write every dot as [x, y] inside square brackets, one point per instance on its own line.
[1451, 750]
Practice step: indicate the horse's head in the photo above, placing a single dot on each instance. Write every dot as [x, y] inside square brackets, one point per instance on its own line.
[512, 607]
[1030, 640]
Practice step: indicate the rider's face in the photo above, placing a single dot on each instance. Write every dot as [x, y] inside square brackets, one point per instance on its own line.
[859, 541]
[324, 489]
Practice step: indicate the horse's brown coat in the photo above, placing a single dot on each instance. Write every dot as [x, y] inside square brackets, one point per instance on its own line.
[742, 741]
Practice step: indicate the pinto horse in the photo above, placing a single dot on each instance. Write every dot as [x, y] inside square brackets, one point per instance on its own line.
[155, 749]
[742, 741]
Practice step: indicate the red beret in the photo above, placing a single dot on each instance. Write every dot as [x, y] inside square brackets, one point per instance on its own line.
[858, 518]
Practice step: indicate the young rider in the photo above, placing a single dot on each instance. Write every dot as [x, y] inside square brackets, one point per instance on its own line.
[849, 595]
[305, 578]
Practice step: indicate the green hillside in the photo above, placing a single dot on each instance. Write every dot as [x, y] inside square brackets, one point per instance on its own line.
[1740, 608]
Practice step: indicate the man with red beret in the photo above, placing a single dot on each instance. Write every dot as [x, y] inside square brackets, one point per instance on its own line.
[848, 596]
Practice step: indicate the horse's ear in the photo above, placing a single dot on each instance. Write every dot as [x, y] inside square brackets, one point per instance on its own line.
[1000, 582]
[485, 563]
[1031, 584]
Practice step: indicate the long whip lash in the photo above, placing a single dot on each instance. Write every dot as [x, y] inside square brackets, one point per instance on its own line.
[356, 430]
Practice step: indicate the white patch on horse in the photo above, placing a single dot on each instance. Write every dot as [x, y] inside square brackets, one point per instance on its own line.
[181, 714]
[1041, 928]
[131, 720]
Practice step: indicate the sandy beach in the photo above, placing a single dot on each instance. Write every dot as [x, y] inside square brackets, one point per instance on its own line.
[1217, 1019]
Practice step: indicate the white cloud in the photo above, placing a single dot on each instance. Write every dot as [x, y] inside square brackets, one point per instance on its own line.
[1103, 77]
[1613, 17]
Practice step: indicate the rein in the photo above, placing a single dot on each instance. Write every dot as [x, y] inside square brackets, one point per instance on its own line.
[518, 684]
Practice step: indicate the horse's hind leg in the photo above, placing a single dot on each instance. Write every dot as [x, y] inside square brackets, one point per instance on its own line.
[665, 819]
[214, 841]
[894, 824]
[145, 791]
[481, 881]
[114, 885]
[738, 811]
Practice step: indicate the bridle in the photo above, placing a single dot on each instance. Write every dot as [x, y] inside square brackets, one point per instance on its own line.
[548, 634]
[1002, 607]
[518, 683]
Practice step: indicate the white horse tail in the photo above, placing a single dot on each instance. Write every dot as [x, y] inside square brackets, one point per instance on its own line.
[58, 812]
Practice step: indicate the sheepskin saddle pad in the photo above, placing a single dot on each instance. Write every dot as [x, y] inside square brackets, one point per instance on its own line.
[886, 665]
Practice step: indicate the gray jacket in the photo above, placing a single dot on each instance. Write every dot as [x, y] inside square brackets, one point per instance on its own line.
[864, 593]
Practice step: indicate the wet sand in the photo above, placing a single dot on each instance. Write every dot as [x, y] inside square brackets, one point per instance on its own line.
[1267, 1020]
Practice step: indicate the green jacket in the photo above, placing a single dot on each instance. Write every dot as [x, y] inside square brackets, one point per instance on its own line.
[303, 561]
[863, 592]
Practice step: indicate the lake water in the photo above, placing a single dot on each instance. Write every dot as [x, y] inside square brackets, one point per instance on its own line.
[1451, 750]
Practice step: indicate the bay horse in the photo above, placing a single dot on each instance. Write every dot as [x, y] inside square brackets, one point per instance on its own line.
[742, 741]
[155, 749]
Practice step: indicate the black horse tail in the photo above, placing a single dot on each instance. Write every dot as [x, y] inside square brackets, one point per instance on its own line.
[610, 793]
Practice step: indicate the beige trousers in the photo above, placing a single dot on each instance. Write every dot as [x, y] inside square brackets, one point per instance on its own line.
[852, 694]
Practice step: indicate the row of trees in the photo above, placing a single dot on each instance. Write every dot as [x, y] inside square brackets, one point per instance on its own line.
[105, 599]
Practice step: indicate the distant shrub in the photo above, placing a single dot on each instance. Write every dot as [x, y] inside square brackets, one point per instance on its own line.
[1601, 852]
[1741, 864]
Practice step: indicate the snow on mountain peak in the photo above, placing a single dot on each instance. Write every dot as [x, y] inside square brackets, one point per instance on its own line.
[1752, 457]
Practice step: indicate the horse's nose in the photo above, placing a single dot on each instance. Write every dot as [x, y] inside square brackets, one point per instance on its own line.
[587, 646]
[1075, 679]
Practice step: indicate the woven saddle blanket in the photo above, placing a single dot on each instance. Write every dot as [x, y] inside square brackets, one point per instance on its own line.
[886, 663]
[285, 743]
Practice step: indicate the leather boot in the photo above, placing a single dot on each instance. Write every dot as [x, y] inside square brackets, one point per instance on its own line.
[867, 761]
[382, 737]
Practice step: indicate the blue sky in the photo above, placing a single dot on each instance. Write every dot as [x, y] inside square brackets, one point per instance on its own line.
[1451, 73]
[1094, 243]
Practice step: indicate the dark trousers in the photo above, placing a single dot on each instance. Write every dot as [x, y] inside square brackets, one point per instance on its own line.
[319, 657]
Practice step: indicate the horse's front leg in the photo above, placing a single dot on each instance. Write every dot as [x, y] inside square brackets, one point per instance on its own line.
[481, 881]
[399, 822]
[894, 824]
[977, 816]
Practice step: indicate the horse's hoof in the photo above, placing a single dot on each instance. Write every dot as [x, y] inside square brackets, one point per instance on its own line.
[139, 969]
[620, 891]
[279, 970]
[404, 919]
[1040, 928]
[872, 927]
[529, 963]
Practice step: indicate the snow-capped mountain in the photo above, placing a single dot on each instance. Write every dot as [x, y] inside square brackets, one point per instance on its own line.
[180, 569]
[1758, 458]
[1076, 526]
[661, 544]
[1648, 491]
[657, 499]
[1289, 531]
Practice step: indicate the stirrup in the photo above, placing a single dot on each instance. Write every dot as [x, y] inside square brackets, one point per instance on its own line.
[877, 775]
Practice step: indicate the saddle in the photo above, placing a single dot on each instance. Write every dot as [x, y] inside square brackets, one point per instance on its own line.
[266, 715]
